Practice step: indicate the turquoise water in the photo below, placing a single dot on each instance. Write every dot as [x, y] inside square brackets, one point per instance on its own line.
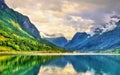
[59, 65]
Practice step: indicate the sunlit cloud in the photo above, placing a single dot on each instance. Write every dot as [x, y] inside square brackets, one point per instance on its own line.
[65, 16]
[80, 24]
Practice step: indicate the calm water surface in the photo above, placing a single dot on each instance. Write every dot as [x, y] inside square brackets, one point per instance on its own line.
[59, 65]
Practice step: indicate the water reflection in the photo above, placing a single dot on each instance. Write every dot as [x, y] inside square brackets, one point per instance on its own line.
[67, 70]
[59, 65]
[82, 65]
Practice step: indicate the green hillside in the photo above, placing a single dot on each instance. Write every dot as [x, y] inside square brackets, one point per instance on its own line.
[17, 33]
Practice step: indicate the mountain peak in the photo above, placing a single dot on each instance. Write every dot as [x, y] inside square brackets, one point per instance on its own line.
[77, 39]
[80, 35]
[2, 4]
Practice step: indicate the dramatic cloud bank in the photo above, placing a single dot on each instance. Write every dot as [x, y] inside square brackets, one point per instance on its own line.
[67, 17]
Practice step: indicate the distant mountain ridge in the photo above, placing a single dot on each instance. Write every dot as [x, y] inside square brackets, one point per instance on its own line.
[78, 38]
[104, 41]
[58, 41]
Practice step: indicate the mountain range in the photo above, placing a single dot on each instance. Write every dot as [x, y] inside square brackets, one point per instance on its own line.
[18, 33]
[78, 38]
[99, 41]
[56, 39]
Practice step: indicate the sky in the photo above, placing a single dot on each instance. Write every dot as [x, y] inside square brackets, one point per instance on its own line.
[66, 17]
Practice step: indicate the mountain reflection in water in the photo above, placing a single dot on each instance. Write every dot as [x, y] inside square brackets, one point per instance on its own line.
[59, 65]
[82, 65]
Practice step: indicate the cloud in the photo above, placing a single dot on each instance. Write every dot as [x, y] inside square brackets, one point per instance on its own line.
[66, 16]
[109, 5]
[52, 28]
[80, 24]
[109, 22]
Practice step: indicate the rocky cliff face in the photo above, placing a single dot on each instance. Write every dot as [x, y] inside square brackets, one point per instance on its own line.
[27, 25]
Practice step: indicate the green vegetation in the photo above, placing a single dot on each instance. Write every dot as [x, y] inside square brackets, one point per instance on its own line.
[116, 50]
[22, 65]
[15, 37]
[23, 44]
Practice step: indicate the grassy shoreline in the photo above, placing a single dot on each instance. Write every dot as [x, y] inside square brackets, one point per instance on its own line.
[53, 54]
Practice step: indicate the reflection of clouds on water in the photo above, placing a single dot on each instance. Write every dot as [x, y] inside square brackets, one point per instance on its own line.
[64, 65]
[67, 70]
[81, 65]
[53, 70]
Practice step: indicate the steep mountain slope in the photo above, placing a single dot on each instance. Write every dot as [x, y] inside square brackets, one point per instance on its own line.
[12, 17]
[77, 39]
[18, 33]
[106, 40]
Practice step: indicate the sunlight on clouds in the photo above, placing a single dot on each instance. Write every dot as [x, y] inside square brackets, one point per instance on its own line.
[41, 17]
[68, 7]
[80, 24]
[51, 28]
[48, 16]
[65, 16]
